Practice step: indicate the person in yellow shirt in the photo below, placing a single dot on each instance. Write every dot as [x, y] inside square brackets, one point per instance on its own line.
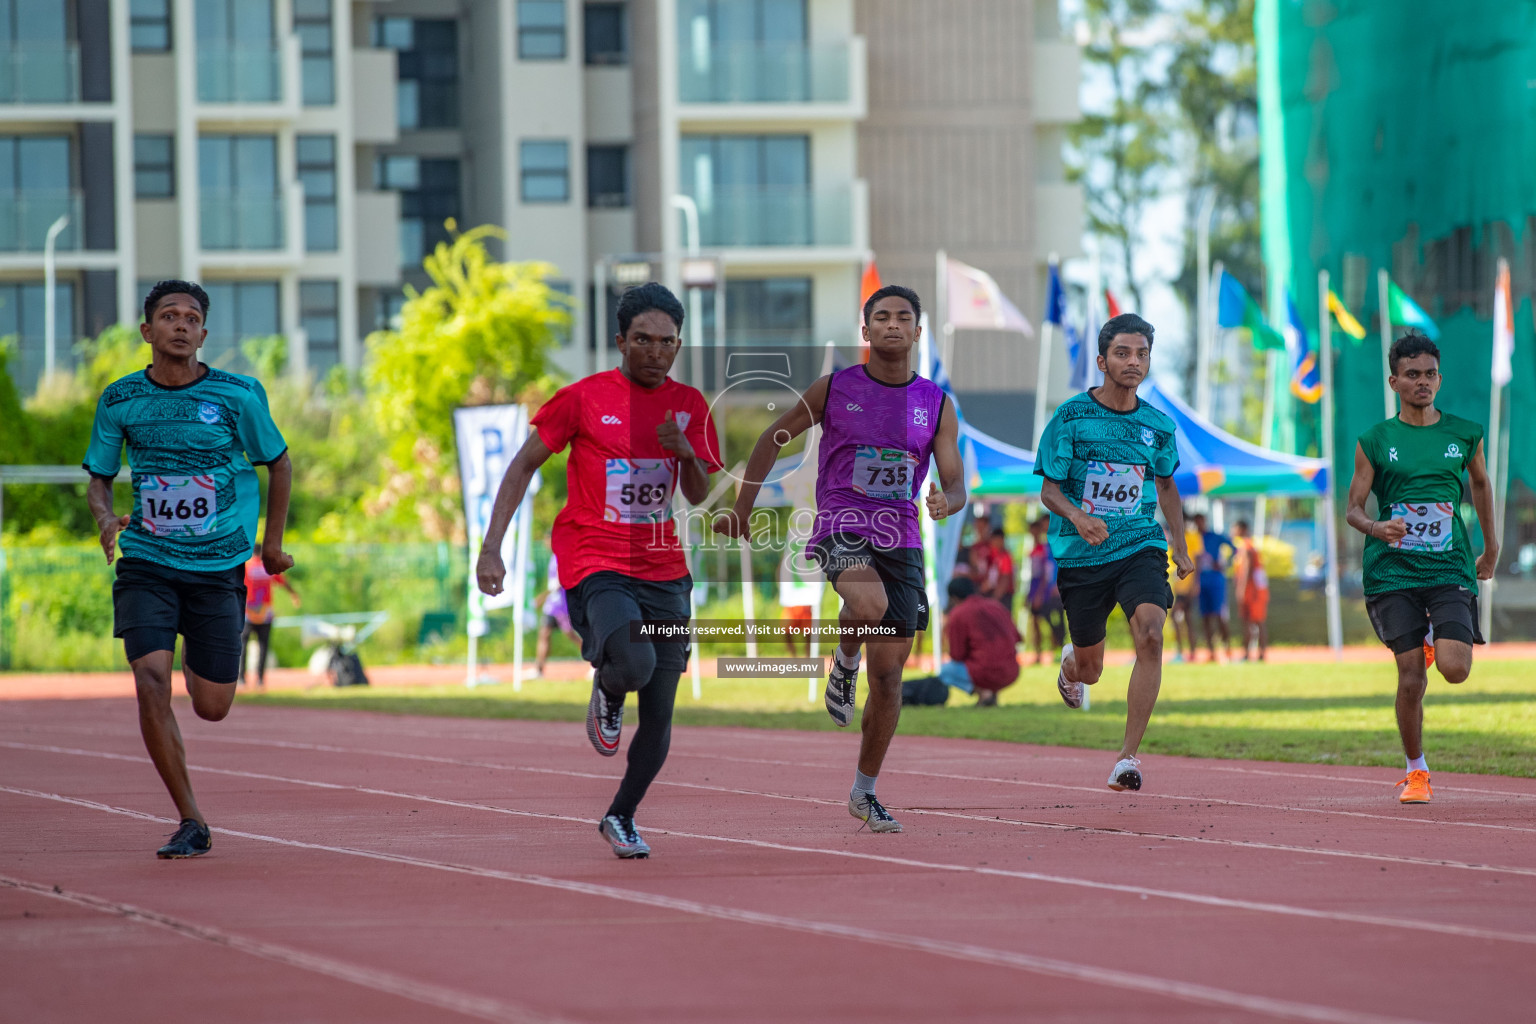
[1185, 593]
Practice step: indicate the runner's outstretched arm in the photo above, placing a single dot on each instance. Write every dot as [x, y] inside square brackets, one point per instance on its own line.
[1172, 507]
[489, 570]
[795, 421]
[1482, 500]
[98, 493]
[279, 485]
[946, 455]
[1355, 514]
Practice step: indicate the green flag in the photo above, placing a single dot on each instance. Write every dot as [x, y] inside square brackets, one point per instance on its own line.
[1403, 310]
[1235, 309]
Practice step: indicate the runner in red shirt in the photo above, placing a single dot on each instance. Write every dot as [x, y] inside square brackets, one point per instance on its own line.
[635, 435]
[259, 613]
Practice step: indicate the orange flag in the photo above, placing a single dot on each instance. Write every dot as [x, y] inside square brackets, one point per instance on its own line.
[1111, 304]
[868, 285]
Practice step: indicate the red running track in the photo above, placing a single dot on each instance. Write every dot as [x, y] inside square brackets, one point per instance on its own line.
[378, 868]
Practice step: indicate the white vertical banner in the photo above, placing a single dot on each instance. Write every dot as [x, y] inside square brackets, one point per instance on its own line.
[488, 437]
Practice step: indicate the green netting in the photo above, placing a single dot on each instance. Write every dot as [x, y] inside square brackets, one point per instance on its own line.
[1402, 134]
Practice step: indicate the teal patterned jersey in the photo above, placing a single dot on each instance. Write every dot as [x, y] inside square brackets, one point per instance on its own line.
[1105, 461]
[191, 451]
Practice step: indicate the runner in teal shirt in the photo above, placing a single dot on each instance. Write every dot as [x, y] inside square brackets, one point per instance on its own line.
[193, 435]
[1108, 460]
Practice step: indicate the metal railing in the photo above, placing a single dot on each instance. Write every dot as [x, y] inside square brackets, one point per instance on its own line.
[239, 74]
[775, 215]
[765, 73]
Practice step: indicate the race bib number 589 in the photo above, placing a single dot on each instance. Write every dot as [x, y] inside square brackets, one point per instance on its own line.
[637, 490]
[1113, 488]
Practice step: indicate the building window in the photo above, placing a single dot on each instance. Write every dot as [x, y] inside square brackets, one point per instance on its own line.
[320, 316]
[237, 312]
[605, 34]
[317, 173]
[154, 167]
[35, 178]
[429, 195]
[541, 29]
[427, 85]
[238, 57]
[149, 25]
[607, 177]
[751, 189]
[312, 23]
[546, 171]
[241, 207]
[22, 309]
[387, 313]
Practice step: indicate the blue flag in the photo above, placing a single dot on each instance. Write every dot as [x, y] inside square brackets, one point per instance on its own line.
[1055, 299]
[1306, 382]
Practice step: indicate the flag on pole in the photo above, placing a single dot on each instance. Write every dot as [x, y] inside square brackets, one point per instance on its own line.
[1110, 305]
[1404, 311]
[1503, 331]
[1306, 384]
[976, 301]
[1345, 319]
[868, 285]
[1235, 309]
[1055, 298]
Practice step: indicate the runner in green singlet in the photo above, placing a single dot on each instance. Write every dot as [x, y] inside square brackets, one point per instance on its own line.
[1418, 567]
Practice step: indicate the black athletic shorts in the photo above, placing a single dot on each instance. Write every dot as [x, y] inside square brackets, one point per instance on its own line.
[1402, 617]
[899, 569]
[152, 603]
[638, 600]
[1090, 593]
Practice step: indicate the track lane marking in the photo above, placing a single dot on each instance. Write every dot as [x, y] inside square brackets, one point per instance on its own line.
[1201, 899]
[1110, 977]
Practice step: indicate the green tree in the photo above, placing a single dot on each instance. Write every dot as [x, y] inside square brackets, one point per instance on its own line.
[1120, 147]
[480, 334]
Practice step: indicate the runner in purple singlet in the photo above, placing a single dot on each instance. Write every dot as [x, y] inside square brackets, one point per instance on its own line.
[880, 424]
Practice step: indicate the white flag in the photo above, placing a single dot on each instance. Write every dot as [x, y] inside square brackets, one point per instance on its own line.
[975, 300]
[1503, 328]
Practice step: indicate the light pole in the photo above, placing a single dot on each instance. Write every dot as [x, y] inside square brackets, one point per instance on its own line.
[695, 328]
[1203, 317]
[49, 331]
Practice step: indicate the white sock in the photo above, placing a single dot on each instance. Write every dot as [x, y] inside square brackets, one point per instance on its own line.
[863, 784]
[849, 662]
[1416, 764]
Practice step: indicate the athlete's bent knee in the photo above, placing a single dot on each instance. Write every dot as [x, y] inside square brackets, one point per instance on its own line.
[1453, 671]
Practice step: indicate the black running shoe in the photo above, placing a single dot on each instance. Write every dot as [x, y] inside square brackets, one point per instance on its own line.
[192, 839]
[622, 836]
[605, 719]
[842, 687]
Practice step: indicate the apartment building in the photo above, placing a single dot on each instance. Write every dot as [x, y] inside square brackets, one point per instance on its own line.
[300, 156]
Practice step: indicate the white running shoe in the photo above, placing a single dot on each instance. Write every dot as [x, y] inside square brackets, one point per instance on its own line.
[867, 809]
[1125, 775]
[841, 695]
[1071, 693]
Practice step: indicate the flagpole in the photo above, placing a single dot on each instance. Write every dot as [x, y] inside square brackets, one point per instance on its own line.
[1266, 434]
[1043, 367]
[1493, 447]
[1331, 523]
[1203, 318]
[1383, 285]
[929, 529]
[1203, 396]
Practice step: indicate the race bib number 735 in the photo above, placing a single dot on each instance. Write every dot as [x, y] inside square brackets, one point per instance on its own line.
[883, 473]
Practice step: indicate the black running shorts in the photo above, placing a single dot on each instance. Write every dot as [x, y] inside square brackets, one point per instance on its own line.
[1402, 617]
[899, 569]
[1090, 593]
[638, 600]
[152, 603]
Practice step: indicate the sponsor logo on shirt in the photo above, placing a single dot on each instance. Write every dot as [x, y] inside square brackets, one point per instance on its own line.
[683, 419]
[1453, 450]
[208, 412]
[612, 421]
[855, 408]
[1391, 454]
[1147, 437]
[920, 416]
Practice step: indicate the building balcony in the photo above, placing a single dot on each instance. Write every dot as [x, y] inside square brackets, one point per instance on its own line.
[259, 82]
[1057, 74]
[374, 118]
[775, 216]
[25, 217]
[38, 72]
[772, 81]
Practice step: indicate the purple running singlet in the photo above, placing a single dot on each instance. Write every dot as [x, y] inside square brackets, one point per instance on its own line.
[875, 445]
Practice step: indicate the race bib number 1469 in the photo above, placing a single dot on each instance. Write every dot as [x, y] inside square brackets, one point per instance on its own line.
[1113, 488]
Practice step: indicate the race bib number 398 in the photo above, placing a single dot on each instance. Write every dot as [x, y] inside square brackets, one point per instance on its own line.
[185, 506]
[1429, 525]
[637, 490]
[883, 473]
[1113, 489]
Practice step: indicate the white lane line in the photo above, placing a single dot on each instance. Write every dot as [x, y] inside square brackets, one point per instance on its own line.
[1187, 991]
[1201, 899]
[365, 977]
[1453, 786]
[935, 812]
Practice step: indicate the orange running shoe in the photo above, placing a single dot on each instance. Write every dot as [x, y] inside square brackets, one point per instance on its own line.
[1415, 788]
